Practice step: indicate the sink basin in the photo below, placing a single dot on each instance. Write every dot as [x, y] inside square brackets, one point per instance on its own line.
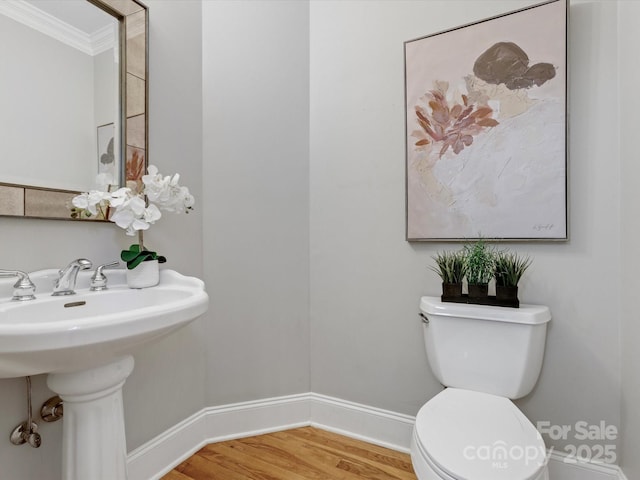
[85, 343]
[68, 333]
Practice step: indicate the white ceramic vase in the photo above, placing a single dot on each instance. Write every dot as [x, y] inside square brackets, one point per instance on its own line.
[146, 274]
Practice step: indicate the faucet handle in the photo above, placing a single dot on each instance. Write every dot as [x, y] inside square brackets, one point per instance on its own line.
[99, 280]
[24, 287]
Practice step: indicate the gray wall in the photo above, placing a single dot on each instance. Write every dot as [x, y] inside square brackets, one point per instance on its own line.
[167, 384]
[366, 280]
[104, 81]
[628, 39]
[256, 170]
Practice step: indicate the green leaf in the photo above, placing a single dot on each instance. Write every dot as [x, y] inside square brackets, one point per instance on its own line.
[134, 256]
[128, 255]
[138, 260]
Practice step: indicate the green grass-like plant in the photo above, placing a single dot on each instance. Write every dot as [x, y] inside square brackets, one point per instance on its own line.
[480, 261]
[450, 266]
[509, 268]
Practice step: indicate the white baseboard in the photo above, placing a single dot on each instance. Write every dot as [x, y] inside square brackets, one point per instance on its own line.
[381, 427]
[370, 424]
[561, 467]
[216, 424]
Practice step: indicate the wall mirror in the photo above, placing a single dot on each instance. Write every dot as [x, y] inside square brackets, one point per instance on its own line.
[74, 102]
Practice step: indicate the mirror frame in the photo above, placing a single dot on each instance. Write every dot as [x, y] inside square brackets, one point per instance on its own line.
[50, 203]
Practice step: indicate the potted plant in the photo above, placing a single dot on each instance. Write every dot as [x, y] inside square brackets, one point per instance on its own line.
[450, 266]
[480, 259]
[135, 208]
[509, 268]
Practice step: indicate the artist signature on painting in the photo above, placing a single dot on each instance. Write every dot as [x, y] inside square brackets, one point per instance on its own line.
[539, 227]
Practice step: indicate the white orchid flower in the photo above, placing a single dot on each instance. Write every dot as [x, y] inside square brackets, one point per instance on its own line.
[89, 201]
[123, 218]
[137, 205]
[152, 214]
[132, 212]
[138, 224]
[120, 196]
[82, 201]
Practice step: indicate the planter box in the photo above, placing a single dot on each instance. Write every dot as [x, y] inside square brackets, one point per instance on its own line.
[490, 300]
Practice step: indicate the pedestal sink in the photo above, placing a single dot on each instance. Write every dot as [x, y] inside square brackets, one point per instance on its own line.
[85, 342]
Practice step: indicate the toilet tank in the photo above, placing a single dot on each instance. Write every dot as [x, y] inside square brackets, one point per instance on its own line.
[497, 350]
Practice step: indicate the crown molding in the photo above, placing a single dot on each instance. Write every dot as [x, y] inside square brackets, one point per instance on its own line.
[47, 24]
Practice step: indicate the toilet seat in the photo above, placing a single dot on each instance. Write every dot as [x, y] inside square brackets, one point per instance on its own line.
[466, 435]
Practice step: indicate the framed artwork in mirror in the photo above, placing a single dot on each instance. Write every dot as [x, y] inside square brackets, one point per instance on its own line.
[106, 154]
[127, 128]
[486, 129]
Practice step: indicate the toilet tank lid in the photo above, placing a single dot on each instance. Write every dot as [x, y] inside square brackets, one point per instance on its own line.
[526, 314]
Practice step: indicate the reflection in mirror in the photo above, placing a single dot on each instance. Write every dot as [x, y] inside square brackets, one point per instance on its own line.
[60, 83]
[73, 96]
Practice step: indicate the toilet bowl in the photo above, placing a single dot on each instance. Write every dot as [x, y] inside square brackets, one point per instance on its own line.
[484, 356]
[461, 434]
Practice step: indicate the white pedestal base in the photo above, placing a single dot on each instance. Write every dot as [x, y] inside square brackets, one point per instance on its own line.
[93, 439]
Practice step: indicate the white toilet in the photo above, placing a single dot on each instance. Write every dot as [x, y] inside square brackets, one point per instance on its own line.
[485, 356]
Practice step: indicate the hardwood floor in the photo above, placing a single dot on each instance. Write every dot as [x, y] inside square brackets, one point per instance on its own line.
[300, 454]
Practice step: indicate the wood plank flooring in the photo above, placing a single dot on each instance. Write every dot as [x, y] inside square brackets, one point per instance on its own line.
[300, 454]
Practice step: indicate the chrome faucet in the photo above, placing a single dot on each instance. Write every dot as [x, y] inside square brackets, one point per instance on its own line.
[24, 288]
[66, 282]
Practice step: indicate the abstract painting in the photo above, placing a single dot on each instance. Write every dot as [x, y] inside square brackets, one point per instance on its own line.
[486, 141]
